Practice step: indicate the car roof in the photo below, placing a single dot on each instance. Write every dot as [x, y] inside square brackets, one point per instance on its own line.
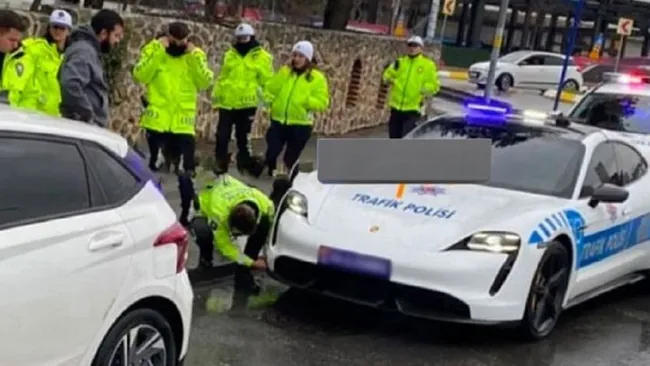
[17, 120]
[523, 53]
[624, 89]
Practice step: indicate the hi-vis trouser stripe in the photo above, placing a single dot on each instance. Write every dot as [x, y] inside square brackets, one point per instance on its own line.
[547, 229]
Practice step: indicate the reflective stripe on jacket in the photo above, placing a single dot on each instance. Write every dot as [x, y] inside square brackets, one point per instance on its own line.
[173, 85]
[242, 78]
[412, 80]
[44, 92]
[217, 200]
[294, 98]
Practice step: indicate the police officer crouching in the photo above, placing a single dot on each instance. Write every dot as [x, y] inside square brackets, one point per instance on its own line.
[237, 93]
[228, 208]
[174, 71]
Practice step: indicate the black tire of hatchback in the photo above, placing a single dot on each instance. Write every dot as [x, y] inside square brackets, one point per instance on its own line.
[125, 323]
[501, 86]
[526, 328]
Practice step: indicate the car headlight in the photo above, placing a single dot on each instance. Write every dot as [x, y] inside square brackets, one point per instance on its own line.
[496, 242]
[297, 203]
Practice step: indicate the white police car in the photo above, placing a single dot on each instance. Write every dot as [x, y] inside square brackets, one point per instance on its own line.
[620, 102]
[564, 217]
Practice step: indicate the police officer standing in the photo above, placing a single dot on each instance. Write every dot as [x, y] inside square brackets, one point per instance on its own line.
[412, 77]
[44, 92]
[17, 68]
[229, 208]
[296, 91]
[174, 71]
[237, 92]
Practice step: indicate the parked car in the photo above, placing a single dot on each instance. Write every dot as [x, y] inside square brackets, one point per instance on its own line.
[92, 258]
[528, 69]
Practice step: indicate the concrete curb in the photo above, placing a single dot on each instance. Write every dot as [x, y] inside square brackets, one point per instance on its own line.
[565, 97]
[206, 276]
[455, 75]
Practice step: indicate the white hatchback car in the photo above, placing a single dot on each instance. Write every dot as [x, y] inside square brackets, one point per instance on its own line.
[528, 69]
[92, 259]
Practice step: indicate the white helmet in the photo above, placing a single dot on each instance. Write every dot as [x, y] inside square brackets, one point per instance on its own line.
[244, 30]
[61, 18]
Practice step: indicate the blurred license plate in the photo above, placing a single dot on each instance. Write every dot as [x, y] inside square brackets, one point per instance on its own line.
[354, 262]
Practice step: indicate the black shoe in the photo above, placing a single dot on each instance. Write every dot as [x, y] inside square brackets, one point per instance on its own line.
[153, 167]
[205, 263]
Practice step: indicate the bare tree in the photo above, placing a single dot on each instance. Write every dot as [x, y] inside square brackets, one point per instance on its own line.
[337, 14]
[36, 4]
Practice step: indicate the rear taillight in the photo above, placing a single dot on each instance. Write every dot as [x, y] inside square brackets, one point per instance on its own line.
[176, 235]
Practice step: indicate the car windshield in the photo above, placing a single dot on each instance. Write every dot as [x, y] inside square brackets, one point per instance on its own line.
[512, 57]
[523, 159]
[619, 112]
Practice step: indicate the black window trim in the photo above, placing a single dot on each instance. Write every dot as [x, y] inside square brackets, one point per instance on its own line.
[581, 187]
[96, 180]
[623, 143]
[90, 175]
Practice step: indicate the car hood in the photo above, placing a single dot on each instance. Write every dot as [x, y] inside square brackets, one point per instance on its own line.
[426, 217]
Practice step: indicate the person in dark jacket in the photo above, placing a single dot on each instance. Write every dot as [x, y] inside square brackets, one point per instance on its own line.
[84, 88]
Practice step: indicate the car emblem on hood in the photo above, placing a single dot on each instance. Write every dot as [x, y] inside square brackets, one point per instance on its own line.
[374, 228]
[428, 190]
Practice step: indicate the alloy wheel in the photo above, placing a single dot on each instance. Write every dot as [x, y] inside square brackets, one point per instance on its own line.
[548, 293]
[142, 345]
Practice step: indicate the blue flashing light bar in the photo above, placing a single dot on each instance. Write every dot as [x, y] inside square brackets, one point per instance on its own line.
[478, 110]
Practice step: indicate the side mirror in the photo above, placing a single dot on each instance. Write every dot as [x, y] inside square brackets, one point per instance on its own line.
[608, 193]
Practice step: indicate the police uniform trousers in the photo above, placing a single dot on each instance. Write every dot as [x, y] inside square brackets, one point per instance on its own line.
[181, 148]
[291, 138]
[242, 121]
[401, 123]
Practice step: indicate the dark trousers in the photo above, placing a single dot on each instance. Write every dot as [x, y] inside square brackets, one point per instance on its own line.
[242, 121]
[204, 240]
[401, 123]
[182, 147]
[156, 141]
[279, 136]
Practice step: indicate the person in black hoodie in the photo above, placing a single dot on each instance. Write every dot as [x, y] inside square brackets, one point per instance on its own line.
[246, 68]
[84, 88]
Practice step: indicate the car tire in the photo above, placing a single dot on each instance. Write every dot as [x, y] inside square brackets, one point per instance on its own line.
[547, 289]
[571, 86]
[146, 325]
[505, 82]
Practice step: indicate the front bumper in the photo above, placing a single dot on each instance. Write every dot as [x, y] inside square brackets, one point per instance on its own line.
[450, 285]
[477, 76]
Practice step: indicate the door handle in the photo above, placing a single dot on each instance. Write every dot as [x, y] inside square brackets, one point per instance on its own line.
[105, 241]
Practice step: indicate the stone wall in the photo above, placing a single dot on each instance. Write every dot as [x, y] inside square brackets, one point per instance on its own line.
[357, 102]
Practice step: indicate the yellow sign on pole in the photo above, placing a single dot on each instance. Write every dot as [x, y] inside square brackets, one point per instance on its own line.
[448, 7]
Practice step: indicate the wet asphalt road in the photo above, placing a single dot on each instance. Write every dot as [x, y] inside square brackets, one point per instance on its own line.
[303, 329]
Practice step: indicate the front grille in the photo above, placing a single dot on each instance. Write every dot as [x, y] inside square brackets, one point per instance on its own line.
[370, 291]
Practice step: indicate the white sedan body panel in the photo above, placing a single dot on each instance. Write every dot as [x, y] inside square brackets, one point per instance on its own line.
[415, 231]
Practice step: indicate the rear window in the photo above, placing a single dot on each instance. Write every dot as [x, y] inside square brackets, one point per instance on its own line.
[136, 162]
[619, 112]
[523, 159]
